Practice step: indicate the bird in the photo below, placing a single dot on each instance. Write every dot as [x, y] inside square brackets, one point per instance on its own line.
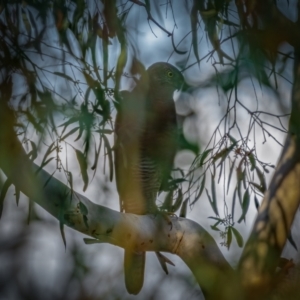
[145, 148]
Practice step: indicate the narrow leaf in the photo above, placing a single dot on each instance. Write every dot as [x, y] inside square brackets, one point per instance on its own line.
[201, 189]
[110, 158]
[256, 202]
[64, 76]
[229, 237]
[17, 193]
[178, 201]
[214, 196]
[245, 206]
[83, 168]
[203, 156]
[69, 133]
[262, 179]
[230, 174]
[233, 203]
[4, 189]
[238, 237]
[62, 233]
[211, 203]
[183, 209]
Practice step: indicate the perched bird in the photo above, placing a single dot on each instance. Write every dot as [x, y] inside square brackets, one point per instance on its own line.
[145, 147]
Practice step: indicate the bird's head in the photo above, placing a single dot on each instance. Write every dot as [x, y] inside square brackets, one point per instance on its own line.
[164, 74]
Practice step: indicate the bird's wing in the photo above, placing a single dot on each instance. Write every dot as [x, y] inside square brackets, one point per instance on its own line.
[163, 141]
[128, 130]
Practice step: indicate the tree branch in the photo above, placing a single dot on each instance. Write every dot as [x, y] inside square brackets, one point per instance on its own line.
[184, 238]
[272, 225]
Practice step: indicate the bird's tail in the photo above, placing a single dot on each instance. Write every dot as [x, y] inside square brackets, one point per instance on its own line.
[134, 266]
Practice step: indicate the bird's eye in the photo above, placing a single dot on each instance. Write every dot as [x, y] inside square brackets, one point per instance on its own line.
[170, 74]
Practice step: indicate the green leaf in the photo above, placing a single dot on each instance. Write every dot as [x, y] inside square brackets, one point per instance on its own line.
[214, 197]
[262, 180]
[89, 241]
[238, 237]
[256, 202]
[83, 168]
[49, 178]
[229, 237]
[232, 139]
[183, 209]
[70, 180]
[64, 76]
[167, 204]
[194, 23]
[257, 186]
[203, 156]
[213, 205]
[110, 158]
[178, 201]
[69, 133]
[230, 174]
[252, 161]
[62, 233]
[83, 209]
[33, 153]
[245, 206]
[4, 189]
[17, 193]
[217, 219]
[202, 185]
[233, 203]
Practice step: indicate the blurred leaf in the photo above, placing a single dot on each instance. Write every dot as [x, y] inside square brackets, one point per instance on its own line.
[89, 241]
[229, 237]
[183, 209]
[214, 197]
[97, 153]
[64, 76]
[83, 208]
[245, 206]
[230, 174]
[213, 205]
[202, 185]
[291, 240]
[69, 133]
[83, 168]
[70, 180]
[233, 203]
[194, 23]
[17, 193]
[238, 237]
[4, 189]
[178, 201]
[203, 156]
[49, 178]
[33, 121]
[67, 123]
[62, 233]
[252, 161]
[167, 204]
[33, 153]
[257, 186]
[262, 180]
[110, 158]
[256, 202]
